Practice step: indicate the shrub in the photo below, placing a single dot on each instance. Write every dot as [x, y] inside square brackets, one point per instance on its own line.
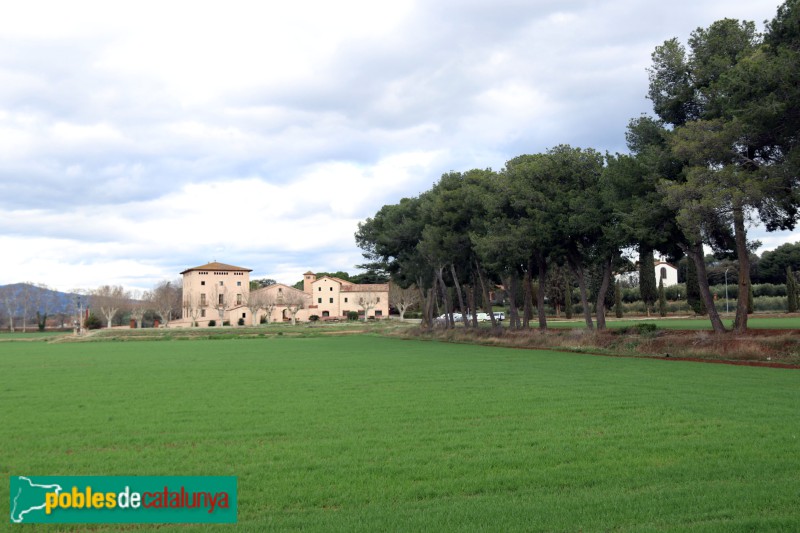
[226, 323]
[352, 315]
[313, 318]
[263, 319]
[93, 322]
[240, 321]
[212, 323]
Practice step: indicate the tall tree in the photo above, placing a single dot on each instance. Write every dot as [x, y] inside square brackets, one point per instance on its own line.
[166, 300]
[693, 297]
[9, 299]
[648, 290]
[109, 299]
[791, 291]
[690, 92]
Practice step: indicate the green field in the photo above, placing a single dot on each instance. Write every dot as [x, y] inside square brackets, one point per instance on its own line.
[364, 433]
[701, 323]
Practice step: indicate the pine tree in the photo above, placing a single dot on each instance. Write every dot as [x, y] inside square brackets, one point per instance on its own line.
[618, 300]
[791, 291]
[647, 278]
[662, 298]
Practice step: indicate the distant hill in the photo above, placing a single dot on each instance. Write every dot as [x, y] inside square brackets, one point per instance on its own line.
[40, 299]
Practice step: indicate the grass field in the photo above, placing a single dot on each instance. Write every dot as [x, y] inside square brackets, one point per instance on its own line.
[364, 433]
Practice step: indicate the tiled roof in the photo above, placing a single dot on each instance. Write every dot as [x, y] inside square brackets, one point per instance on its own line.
[218, 267]
[366, 287]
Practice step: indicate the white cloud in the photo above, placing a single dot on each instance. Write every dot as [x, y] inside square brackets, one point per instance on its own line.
[139, 138]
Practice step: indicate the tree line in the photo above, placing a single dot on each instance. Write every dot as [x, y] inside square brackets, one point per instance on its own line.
[719, 153]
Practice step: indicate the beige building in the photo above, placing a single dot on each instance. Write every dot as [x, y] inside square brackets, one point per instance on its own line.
[214, 291]
[221, 292]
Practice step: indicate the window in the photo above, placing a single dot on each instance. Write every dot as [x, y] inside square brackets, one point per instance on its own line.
[378, 312]
[320, 289]
[203, 299]
[244, 315]
[663, 272]
[345, 300]
[331, 288]
[238, 299]
[378, 300]
[202, 313]
[221, 301]
[319, 300]
[220, 283]
[326, 313]
[331, 300]
[202, 283]
[238, 283]
[280, 289]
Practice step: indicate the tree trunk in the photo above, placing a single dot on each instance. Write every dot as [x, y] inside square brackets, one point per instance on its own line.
[427, 304]
[695, 253]
[448, 308]
[600, 306]
[587, 312]
[487, 301]
[513, 313]
[460, 296]
[527, 291]
[540, 293]
[472, 300]
[740, 234]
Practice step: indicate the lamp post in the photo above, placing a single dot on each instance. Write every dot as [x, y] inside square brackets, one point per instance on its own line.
[727, 306]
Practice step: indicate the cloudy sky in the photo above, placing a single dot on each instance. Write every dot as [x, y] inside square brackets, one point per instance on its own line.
[138, 139]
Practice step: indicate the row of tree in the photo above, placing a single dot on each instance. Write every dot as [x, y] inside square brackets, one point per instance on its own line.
[22, 302]
[721, 152]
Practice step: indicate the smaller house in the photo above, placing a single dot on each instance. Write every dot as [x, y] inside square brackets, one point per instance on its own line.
[666, 272]
[663, 271]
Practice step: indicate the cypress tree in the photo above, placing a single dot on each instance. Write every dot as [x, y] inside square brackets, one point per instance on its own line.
[693, 297]
[791, 291]
[662, 298]
[618, 300]
[647, 278]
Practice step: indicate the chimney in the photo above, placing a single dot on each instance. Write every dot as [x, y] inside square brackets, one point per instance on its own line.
[308, 278]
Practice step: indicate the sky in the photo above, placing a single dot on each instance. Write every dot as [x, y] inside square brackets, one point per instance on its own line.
[138, 139]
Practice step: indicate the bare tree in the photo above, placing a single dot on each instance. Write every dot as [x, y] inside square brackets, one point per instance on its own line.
[43, 303]
[294, 301]
[139, 303]
[10, 300]
[109, 299]
[27, 295]
[269, 303]
[254, 302]
[367, 301]
[403, 299]
[219, 300]
[166, 300]
[193, 306]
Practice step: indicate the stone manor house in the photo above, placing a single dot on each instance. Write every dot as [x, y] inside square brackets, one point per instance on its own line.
[220, 292]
